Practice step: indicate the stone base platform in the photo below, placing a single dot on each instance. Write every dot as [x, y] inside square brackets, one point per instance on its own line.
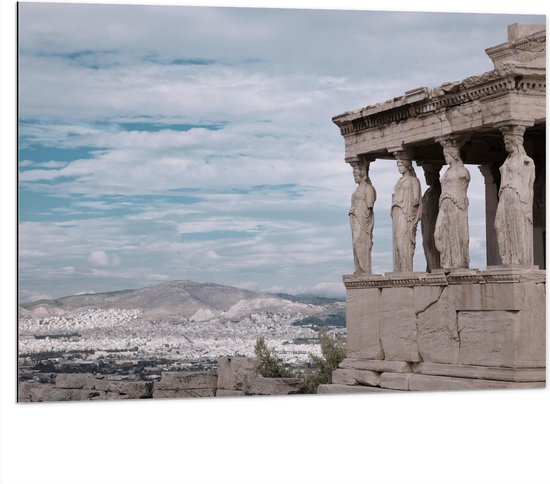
[367, 376]
[447, 330]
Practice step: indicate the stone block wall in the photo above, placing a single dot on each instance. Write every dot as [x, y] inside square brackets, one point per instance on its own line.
[468, 329]
[239, 376]
[236, 376]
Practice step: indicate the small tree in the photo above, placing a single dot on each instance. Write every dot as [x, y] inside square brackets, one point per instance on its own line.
[321, 367]
[270, 365]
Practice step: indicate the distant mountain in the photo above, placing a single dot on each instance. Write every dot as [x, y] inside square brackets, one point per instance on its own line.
[174, 298]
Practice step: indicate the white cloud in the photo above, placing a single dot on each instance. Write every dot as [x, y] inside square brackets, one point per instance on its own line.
[100, 258]
[271, 98]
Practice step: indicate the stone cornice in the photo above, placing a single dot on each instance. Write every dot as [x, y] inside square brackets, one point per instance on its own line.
[499, 274]
[423, 101]
[523, 50]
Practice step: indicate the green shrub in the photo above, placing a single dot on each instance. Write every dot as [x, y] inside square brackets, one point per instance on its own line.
[321, 367]
[270, 365]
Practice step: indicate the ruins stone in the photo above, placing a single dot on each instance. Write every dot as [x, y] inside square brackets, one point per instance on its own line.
[75, 380]
[488, 337]
[344, 389]
[398, 324]
[234, 372]
[273, 386]
[229, 393]
[395, 381]
[183, 392]
[363, 323]
[482, 372]
[437, 383]
[437, 328]
[186, 380]
[348, 376]
[131, 389]
[376, 365]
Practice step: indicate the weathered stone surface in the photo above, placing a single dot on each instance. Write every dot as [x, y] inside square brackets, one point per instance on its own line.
[376, 365]
[234, 372]
[229, 393]
[490, 297]
[77, 380]
[363, 323]
[186, 380]
[26, 389]
[532, 327]
[395, 381]
[273, 386]
[48, 393]
[184, 393]
[437, 333]
[348, 376]
[488, 338]
[398, 324]
[343, 389]
[482, 372]
[434, 383]
[131, 389]
[88, 388]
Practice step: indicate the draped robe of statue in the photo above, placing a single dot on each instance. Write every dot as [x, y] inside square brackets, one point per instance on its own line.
[451, 229]
[430, 210]
[405, 212]
[514, 217]
[361, 218]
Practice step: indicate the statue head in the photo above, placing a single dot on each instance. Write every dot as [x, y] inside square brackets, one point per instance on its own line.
[513, 143]
[513, 138]
[405, 166]
[451, 153]
[360, 170]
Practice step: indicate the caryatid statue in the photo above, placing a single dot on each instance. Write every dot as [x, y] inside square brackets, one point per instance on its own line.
[406, 211]
[361, 217]
[430, 209]
[514, 217]
[451, 229]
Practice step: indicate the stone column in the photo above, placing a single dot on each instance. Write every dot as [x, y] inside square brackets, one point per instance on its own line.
[406, 211]
[430, 209]
[452, 233]
[539, 202]
[361, 215]
[491, 176]
[514, 216]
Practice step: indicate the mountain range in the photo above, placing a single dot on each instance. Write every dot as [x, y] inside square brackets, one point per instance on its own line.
[183, 298]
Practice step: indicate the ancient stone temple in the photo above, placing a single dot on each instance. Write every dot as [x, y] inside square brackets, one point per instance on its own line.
[451, 326]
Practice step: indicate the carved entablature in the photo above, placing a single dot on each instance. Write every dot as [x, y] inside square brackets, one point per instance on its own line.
[495, 274]
[474, 88]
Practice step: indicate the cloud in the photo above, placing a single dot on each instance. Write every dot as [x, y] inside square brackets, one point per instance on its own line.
[100, 258]
[212, 156]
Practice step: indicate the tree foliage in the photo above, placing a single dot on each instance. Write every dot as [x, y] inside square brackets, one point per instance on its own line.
[270, 365]
[321, 366]
[319, 369]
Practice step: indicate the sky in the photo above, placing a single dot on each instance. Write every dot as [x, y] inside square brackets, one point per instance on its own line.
[160, 143]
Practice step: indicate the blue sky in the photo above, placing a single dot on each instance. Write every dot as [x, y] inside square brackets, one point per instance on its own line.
[160, 143]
